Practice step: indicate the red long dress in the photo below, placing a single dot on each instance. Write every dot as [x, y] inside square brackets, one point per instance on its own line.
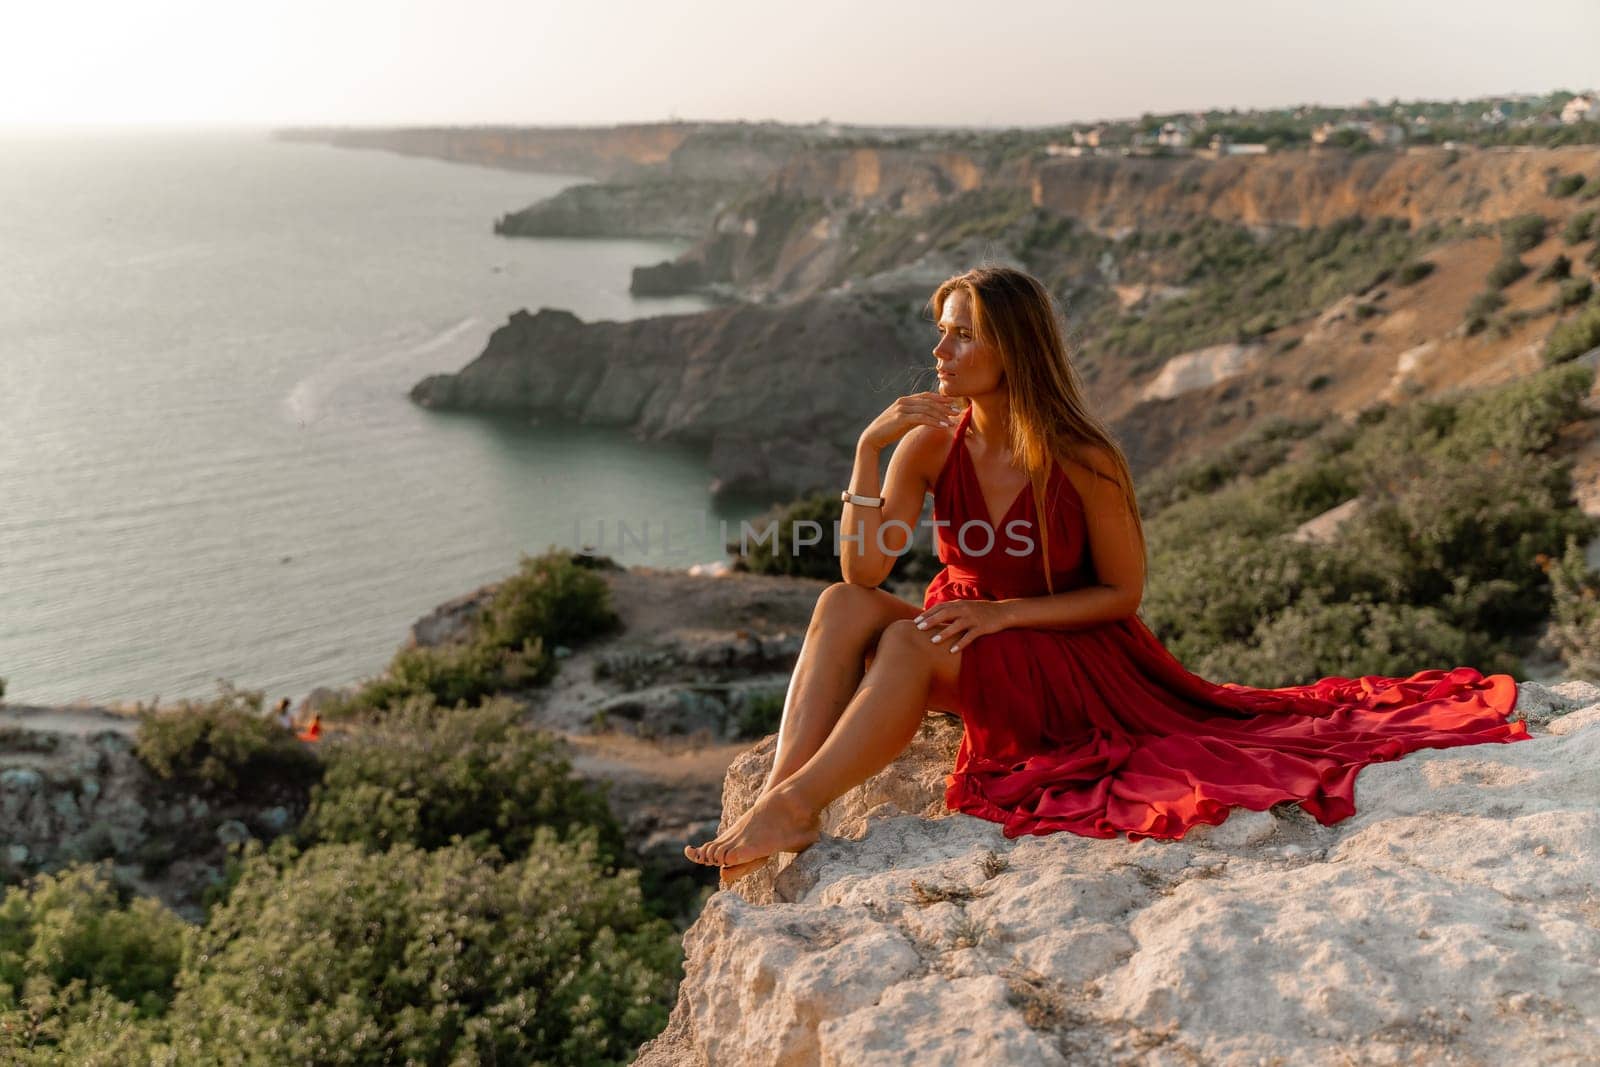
[1100, 730]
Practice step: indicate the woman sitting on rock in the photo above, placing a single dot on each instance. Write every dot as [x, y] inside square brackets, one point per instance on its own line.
[1075, 716]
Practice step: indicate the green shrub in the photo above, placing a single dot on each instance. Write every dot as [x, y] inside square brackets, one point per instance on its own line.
[1563, 185]
[1481, 307]
[1521, 233]
[1574, 632]
[341, 955]
[1579, 227]
[552, 598]
[1574, 337]
[1574, 291]
[1438, 567]
[225, 745]
[424, 775]
[1590, 190]
[1260, 450]
[1505, 271]
[558, 598]
[1348, 639]
[455, 673]
[1414, 271]
[760, 716]
[71, 949]
[1556, 269]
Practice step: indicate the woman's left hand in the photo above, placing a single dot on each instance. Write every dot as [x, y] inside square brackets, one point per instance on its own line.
[957, 622]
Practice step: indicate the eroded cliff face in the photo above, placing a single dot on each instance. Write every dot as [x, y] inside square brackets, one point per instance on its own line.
[1453, 917]
[792, 239]
[1424, 185]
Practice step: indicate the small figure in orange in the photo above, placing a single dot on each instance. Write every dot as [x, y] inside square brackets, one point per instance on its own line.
[313, 730]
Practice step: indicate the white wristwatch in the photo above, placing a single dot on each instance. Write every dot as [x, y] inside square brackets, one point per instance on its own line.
[862, 501]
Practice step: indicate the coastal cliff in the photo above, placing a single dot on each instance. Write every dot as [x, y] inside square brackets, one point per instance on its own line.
[595, 151]
[1452, 918]
[804, 231]
[777, 396]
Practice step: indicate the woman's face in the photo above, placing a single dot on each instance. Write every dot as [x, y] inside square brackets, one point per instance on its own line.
[966, 365]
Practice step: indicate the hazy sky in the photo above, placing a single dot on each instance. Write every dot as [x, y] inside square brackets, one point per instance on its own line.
[930, 62]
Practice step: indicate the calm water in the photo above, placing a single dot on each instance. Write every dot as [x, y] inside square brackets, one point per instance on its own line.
[208, 464]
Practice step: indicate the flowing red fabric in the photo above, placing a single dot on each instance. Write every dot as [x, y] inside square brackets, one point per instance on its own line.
[1099, 730]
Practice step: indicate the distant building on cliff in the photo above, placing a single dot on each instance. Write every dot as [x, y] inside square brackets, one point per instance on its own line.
[1221, 146]
[1175, 135]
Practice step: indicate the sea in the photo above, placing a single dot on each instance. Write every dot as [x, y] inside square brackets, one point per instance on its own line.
[210, 471]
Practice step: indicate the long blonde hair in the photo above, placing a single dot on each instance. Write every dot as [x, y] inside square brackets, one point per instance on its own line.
[1013, 312]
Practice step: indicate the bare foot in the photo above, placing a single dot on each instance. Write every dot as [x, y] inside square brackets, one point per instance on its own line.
[701, 853]
[729, 875]
[777, 822]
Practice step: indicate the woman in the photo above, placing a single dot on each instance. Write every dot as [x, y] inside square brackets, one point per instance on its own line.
[1076, 717]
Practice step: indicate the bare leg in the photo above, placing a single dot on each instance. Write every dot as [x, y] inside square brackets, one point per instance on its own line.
[844, 631]
[845, 627]
[908, 674]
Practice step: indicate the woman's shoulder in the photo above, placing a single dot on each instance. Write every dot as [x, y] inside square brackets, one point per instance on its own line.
[1089, 465]
[929, 447]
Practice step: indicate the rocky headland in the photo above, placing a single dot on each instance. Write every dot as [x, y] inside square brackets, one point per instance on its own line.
[776, 395]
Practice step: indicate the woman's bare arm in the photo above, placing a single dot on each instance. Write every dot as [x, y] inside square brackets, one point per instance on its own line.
[871, 539]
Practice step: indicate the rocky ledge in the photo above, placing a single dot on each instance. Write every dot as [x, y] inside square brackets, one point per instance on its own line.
[1454, 918]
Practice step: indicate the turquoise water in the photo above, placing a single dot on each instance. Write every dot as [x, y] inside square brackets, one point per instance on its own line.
[208, 464]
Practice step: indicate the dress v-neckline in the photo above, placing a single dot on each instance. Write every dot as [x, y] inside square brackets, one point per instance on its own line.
[972, 466]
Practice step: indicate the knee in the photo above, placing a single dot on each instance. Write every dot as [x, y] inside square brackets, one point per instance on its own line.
[903, 636]
[842, 600]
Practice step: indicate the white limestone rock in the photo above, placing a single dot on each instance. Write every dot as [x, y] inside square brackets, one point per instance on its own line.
[1454, 918]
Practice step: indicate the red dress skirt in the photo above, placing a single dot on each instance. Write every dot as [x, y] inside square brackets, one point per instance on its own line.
[1099, 730]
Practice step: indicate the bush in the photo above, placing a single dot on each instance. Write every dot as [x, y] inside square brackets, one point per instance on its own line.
[340, 955]
[1574, 632]
[455, 674]
[1521, 233]
[761, 715]
[1413, 272]
[225, 745]
[1574, 291]
[1480, 308]
[1556, 269]
[71, 948]
[1505, 271]
[1459, 499]
[1579, 228]
[1573, 338]
[554, 599]
[1563, 185]
[425, 775]
[1348, 639]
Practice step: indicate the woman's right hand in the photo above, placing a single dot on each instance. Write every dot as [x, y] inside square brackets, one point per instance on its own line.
[917, 409]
